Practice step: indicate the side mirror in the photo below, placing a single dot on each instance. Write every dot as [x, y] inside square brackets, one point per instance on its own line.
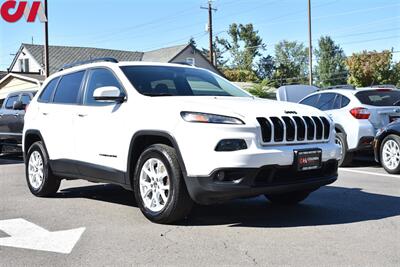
[18, 105]
[108, 94]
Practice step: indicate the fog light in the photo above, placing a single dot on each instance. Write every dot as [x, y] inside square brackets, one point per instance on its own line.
[231, 145]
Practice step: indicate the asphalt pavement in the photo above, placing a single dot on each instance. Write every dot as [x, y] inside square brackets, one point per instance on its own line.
[353, 222]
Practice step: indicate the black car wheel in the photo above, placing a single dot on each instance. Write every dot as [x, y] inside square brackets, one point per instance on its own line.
[346, 157]
[390, 154]
[40, 179]
[159, 188]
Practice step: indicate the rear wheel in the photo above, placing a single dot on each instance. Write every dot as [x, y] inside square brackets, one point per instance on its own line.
[159, 187]
[40, 179]
[346, 157]
[291, 198]
[390, 154]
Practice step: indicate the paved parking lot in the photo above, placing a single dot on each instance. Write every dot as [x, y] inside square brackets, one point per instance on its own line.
[355, 221]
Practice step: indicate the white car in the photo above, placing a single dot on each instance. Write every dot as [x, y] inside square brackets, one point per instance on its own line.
[174, 135]
[358, 115]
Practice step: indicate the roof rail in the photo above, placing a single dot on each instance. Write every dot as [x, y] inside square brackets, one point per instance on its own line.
[344, 86]
[389, 86]
[78, 63]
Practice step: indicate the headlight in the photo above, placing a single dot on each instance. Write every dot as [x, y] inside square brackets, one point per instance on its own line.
[209, 118]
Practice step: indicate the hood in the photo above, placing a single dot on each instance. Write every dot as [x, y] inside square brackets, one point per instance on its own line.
[239, 106]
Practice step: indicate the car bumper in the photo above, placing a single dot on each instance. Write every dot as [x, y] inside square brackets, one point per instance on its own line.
[268, 179]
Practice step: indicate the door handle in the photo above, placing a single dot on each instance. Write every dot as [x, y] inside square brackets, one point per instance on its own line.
[82, 115]
[45, 113]
[16, 115]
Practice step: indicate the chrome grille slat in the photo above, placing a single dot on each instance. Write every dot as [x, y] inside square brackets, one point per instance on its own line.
[294, 129]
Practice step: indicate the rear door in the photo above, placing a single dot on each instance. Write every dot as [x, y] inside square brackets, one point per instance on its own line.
[57, 121]
[383, 104]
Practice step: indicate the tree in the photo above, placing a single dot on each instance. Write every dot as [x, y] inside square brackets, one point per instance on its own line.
[291, 60]
[265, 67]
[244, 45]
[331, 68]
[369, 68]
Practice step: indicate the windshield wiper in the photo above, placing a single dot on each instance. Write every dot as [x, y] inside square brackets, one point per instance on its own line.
[157, 94]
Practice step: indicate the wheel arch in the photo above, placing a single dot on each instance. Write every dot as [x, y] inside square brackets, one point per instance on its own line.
[30, 137]
[143, 139]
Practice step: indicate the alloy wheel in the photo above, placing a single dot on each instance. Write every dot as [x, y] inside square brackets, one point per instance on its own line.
[35, 170]
[391, 154]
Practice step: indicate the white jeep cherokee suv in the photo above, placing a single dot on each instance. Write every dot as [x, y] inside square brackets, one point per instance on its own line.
[174, 135]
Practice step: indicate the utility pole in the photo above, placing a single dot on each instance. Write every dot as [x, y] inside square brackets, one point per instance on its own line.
[210, 30]
[310, 69]
[46, 42]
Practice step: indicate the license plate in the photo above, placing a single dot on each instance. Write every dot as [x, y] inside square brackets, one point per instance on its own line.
[308, 159]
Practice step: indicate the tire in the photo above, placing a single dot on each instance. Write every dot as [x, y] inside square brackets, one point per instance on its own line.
[390, 154]
[288, 199]
[36, 166]
[157, 203]
[347, 157]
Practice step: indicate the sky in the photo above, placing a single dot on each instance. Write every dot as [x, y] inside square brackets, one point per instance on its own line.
[143, 25]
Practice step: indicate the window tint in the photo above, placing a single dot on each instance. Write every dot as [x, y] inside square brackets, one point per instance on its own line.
[187, 81]
[99, 78]
[337, 104]
[345, 101]
[68, 88]
[310, 101]
[325, 101]
[26, 99]
[47, 92]
[10, 101]
[379, 97]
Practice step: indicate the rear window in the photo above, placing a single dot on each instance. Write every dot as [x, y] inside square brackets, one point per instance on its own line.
[379, 98]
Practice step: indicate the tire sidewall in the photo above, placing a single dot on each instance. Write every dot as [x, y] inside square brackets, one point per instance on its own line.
[174, 176]
[38, 146]
[388, 138]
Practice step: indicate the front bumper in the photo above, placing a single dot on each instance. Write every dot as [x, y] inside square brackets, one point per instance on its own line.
[268, 179]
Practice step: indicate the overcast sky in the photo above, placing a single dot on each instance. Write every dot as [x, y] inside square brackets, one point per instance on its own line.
[144, 25]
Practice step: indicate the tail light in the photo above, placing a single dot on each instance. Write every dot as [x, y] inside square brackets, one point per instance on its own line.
[360, 113]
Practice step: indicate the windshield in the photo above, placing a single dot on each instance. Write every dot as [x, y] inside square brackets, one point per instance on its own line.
[379, 98]
[178, 81]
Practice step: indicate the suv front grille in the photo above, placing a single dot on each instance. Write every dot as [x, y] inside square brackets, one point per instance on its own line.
[294, 129]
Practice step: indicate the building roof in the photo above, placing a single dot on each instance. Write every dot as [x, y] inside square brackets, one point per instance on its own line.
[2, 74]
[30, 77]
[164, 54]
[61, 55]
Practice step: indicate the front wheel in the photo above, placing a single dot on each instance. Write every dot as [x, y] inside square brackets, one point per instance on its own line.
[40, 179]
[291, 198]
[159, 187]
[390, 154]
[346, 157]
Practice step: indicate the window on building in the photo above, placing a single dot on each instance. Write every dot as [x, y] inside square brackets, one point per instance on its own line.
[23, 64]
[191, 61]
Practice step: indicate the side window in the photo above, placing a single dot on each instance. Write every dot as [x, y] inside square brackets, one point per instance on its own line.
[47, 92]
[325, 101]
[338, 102]
[99, 78]
[26, 99]
[10, 101]
[345, 101]
[310, 101]
[68, 88]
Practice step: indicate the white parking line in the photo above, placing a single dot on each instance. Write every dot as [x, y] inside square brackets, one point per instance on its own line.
[370, 173]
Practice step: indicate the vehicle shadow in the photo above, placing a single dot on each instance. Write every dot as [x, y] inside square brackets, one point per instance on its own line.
[11, 158]
[103, 192]
[329, 205]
